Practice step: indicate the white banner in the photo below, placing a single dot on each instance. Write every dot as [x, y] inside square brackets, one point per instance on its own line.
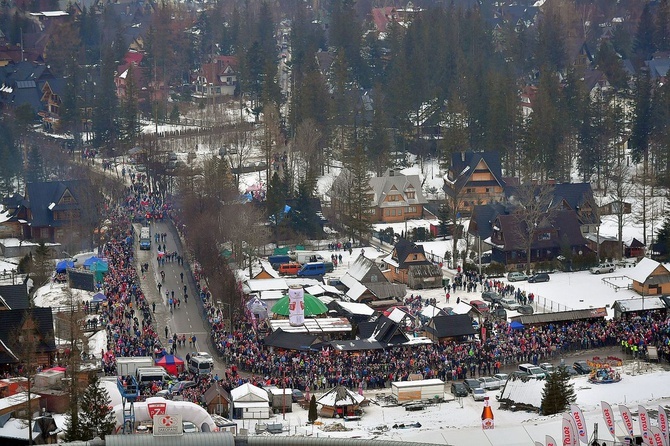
[168, 425]
[656, 436]
[643, 419]
[663, 423]
[627, 419]
[296, 306]
[578, 417]
[568, 434]
[608, 416]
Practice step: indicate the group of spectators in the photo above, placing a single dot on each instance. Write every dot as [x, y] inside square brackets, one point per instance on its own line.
[131, 332]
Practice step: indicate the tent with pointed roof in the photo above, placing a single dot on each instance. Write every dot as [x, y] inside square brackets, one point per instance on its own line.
[339, 401]
[313, 306]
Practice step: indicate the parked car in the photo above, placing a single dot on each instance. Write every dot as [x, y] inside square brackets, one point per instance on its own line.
[548, 368]
[479, 394]
[499, 312]
[525, 309]
[459, 389]
[297, 395]
[471, 384]
[539, 277]
[582, 367]
[189, 428]
[603, 268]
[502, 377]
[571, 370]
[489, 382]
[509, 303]
[516, 276]
[491, 296]
[480, 306]
[532, 371]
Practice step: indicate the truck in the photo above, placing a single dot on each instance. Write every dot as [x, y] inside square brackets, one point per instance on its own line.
[128, 365]
[303, 257]
[145, 238]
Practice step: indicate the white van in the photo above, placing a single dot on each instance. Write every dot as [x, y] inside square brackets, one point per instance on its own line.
[532, 371]
[200, 365]
[146, 375]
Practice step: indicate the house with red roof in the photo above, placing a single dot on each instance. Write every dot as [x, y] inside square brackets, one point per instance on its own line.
[217, 78]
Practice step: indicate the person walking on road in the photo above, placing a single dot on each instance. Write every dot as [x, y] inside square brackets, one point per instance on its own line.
[182, 277]
[166, 331]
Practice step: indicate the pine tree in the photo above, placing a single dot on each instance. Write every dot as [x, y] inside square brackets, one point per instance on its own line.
[35, 165]
[105, 127]
[558, 392]
[358, 204]
[644, 37]
[312, 414]
[96, 417]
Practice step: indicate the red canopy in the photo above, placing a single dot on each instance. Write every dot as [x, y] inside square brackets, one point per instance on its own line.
[171, 363]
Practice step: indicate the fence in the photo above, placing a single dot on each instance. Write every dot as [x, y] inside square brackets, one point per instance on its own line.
[549, 306]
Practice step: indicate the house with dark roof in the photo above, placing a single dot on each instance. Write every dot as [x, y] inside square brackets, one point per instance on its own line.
[366, 283]
[408, 264]
[14, 297]
[452, 327]
[474, 178]
[558, 232]
[61, 212]
[383, 330]
[21, 328]
[578, 197]
[396, 197]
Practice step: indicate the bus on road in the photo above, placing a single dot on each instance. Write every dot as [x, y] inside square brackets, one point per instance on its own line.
[145, 238]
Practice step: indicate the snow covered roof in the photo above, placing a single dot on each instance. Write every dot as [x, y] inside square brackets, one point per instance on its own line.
[430, 311]
[16, 399]
[340, 396]
[265, 265]
[313, 325]
[249, 393]
[256, 285]
[462, 308]
[356, 308]
[318, 290]
[397, 315]
[642, 303]
[643, 270]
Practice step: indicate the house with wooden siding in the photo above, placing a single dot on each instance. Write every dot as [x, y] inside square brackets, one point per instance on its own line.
[408, 264]
[396, 197]
[29, 327]
[650, 278]
[474, 178]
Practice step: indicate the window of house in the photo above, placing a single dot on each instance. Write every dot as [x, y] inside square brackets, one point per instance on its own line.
[488, 189]
[410, 194]
[544, 236]
[388, 212]
[399, 211]
[415, 257]
[411, 209]
[373, 278]
[392, 212]
[468, 190]
[396, 270]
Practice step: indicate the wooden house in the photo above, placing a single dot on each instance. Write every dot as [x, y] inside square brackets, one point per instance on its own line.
[650, 278]
[408, 264]
[217, 400]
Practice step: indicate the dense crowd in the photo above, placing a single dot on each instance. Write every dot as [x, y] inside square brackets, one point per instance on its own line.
[128, 319]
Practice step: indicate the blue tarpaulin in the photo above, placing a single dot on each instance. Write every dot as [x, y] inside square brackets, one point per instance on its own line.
[63, 265]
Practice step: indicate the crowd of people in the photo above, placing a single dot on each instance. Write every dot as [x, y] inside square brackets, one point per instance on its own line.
[131, 332]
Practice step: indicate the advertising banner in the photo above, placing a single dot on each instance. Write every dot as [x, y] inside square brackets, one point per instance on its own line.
[296, 306]
[643, 419]
[578, 416]
[627, 419]
[608, 416]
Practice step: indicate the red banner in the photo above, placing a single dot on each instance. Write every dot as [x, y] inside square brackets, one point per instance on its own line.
[156, 409]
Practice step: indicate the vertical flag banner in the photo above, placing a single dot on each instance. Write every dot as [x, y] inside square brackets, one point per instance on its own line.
[663, 423]
[568, 434]
[643, 419]
[608, 416]
[550, 441]
[578, 417]
[537, 443]
[575, 435]
[296, 306]
[656, 436]
[627, 419]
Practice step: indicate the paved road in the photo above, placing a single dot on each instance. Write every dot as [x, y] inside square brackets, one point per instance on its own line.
[188, 318]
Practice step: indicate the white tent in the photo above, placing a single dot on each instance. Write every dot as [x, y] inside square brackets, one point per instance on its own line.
[250, 401]
[188, 410]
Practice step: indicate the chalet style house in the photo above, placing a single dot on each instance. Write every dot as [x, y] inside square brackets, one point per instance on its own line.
[474, 178]
[408, 264]
[62, 212]
[30, 328]
[396, 197]
[217, 78]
